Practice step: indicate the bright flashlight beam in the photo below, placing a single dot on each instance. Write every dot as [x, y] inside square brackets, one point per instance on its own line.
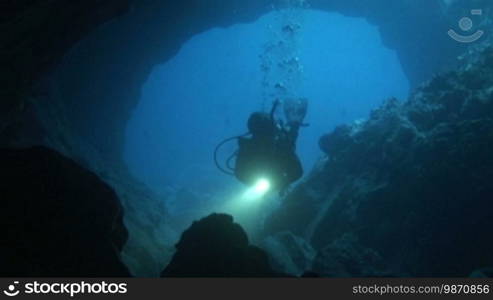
[258, 190]
[262, 186]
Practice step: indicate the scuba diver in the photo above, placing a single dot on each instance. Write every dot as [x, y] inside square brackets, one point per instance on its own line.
[268, 150]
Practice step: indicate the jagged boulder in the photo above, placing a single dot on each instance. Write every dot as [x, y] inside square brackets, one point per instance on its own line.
[57, 219]
[215, 246]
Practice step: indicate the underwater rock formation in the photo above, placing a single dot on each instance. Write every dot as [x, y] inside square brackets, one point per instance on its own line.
[412, 183]
[289, 254]
[344, 257]
[57, 219]
[151, 237]
[215, 246]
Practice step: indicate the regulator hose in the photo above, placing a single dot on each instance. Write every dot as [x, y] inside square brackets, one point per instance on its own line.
[230, 170]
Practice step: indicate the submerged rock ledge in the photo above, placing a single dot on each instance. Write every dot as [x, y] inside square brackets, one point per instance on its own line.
[412, 184]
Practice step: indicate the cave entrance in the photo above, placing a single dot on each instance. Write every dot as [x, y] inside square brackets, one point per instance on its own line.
[207, 91]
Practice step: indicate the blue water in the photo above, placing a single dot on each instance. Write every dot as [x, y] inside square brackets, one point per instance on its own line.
[207, 91]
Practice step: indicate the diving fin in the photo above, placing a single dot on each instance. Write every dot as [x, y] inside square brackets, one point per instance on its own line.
[295, 110]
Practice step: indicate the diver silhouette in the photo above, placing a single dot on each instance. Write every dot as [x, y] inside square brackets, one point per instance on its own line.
[268, 150]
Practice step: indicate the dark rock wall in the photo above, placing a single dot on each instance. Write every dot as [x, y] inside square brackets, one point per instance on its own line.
[57, 219]
[37, 33]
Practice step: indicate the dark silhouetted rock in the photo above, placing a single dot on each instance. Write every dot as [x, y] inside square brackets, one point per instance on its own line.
[57, 219]
[217, 247]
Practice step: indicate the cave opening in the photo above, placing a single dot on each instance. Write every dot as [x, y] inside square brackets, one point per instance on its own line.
[206, 92]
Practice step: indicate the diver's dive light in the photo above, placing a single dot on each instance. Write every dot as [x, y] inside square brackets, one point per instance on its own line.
[260, 189]
[262, 186]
